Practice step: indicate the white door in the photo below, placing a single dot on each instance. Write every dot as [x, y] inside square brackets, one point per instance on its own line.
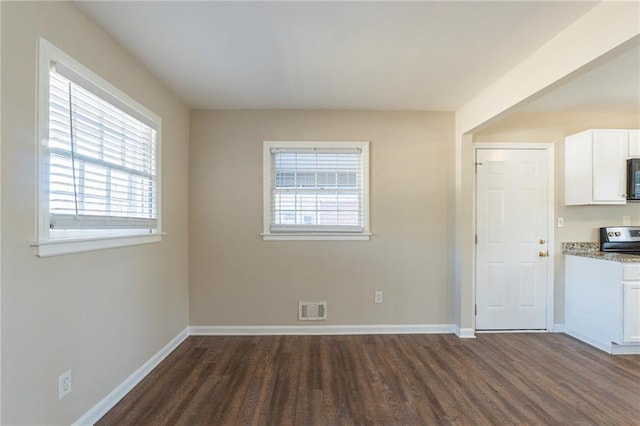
[512, 233]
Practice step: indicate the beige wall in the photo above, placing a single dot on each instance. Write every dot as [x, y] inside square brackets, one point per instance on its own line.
[581, 222]
[101, 314]
[238, 279]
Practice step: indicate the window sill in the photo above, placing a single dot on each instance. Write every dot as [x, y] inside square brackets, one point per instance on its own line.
[69, 246]
[298, 236]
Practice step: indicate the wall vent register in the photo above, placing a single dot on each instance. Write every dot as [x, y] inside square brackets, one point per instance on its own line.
[312, 311]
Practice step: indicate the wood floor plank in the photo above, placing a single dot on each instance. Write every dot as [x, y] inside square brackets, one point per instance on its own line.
[536, 379]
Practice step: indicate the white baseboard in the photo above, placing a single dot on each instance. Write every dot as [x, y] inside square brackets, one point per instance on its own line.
[512, 331]
[464, 333]
[595, 343]
[232, 330]
[108, 402]
[627, 349]
[558, 328]
[610, 348]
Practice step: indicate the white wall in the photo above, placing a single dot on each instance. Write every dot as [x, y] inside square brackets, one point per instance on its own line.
[238, 279]
[101, 314]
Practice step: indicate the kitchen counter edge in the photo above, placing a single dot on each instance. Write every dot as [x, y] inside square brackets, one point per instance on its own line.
[592, 250]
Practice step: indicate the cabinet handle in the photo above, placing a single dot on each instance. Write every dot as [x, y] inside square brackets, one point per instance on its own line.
[542, 241]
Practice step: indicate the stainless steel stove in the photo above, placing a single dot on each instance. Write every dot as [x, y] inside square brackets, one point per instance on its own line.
[620, 239]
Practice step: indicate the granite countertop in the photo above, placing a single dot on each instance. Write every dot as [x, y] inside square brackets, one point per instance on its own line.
[592, 250]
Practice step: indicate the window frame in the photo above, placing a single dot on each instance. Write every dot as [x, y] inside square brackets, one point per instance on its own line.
[309, 235]
[81, 240]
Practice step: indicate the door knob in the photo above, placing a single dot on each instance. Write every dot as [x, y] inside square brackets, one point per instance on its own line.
[542, 241]
[543, 253]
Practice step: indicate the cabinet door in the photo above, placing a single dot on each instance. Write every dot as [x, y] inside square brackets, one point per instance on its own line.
[634, 143]
[578, 166]
[631, 328]
[610, 151]
[593, 301]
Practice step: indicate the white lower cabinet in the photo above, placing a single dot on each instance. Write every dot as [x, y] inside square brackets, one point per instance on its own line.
[631, 332]
[602, 303]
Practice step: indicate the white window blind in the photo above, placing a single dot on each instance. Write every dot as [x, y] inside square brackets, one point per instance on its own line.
[102, 161]
[317, 190]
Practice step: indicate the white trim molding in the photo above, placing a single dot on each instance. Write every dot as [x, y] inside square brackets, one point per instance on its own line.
[241, 330]
[558, 328]
[108, 402]
[610, 348]
[588, 340]
[315, 237]
[464, 333]
[625, 349]
[512, 331]
[60, 247]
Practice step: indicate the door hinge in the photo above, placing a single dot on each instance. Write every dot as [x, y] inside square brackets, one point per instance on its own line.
[476, 309]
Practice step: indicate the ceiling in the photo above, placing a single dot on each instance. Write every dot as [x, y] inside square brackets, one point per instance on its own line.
[338, 55]
[611, 84]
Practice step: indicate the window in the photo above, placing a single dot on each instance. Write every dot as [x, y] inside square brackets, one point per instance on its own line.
[316, 191]
[98, 161]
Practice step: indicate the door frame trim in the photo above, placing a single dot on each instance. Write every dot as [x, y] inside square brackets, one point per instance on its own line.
[550, 150]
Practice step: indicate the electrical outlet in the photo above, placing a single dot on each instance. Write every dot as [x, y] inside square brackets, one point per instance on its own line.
[64, 384]
[378, 297]
[626, 220]
[561, 222]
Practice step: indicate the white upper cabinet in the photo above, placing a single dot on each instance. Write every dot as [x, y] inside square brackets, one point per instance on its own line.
[610, 151]
[595, 167]
[634, 143]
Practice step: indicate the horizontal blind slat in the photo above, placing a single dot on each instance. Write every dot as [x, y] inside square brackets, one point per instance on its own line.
[104, 164]
[96, 221]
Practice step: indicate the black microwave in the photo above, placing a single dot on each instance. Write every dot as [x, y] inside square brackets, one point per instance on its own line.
[633, 179]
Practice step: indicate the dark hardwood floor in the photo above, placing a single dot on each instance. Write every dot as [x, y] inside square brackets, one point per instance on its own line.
[496, 379]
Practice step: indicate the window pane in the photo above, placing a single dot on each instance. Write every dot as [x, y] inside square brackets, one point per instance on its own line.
[317, 188]
[102, 160]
